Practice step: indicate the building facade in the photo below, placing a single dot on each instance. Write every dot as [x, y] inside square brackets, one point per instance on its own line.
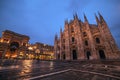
[12, 44]
[83, 41]
[16, 46]
[42, 51]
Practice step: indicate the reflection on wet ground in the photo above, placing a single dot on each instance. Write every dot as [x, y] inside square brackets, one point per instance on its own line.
[26, 69]
[73, 75]
[27, 64]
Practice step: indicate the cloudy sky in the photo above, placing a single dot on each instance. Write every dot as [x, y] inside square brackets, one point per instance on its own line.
[42, 19]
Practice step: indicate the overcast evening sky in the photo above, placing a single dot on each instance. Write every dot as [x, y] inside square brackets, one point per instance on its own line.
[42, 19]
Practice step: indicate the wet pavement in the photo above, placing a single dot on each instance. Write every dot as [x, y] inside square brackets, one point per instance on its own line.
[59, 70]
[73, 75]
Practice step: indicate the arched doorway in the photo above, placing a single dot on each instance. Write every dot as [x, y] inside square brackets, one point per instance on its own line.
[58, 56]
[14, 46]
[88, 54]
[102, 54]
[13, 50]
[74, 55]
[64, 56]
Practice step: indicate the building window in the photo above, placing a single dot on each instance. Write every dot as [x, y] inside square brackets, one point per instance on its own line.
[86, 42]
[24, 44]
[97, 40]
[6, 40]
[72, 30]
[84, 34]
[73, 39]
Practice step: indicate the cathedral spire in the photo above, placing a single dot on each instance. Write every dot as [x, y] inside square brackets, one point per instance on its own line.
[66, 21]
[56, 36]
[101, 18]
[85, 18]
[60, 30]
[97, 20]
[75, 16]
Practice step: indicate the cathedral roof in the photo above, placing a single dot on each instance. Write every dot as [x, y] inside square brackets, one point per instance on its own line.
[93, 25]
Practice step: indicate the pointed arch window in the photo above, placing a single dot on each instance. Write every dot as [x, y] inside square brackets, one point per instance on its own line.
[58, 56]
[73, 39]
[86, 42]
[84, 34]
[98, 40]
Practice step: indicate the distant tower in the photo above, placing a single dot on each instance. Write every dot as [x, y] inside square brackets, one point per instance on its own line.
[56, 54]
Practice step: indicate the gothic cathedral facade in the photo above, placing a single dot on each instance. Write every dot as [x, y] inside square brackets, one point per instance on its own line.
[84, 41]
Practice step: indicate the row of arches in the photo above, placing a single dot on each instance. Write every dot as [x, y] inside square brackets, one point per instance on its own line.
[88, 54]
[97, 40]
[101, 54]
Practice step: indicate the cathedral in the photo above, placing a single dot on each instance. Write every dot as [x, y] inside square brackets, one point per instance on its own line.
[84, 41]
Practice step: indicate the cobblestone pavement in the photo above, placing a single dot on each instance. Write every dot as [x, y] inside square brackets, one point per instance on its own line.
[60, 70]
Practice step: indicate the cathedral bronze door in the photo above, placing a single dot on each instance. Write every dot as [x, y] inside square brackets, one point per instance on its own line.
[102, 54]
[88, 54]
[64, 56]
[74, 54]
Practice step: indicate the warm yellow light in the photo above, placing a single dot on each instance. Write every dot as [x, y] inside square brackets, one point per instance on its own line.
[7, 55]
[21, 53]
[30, 48]
[8, 41]
[37, 51]
[27, 67]
[14, 55]
[35, 47]
[1, 40]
